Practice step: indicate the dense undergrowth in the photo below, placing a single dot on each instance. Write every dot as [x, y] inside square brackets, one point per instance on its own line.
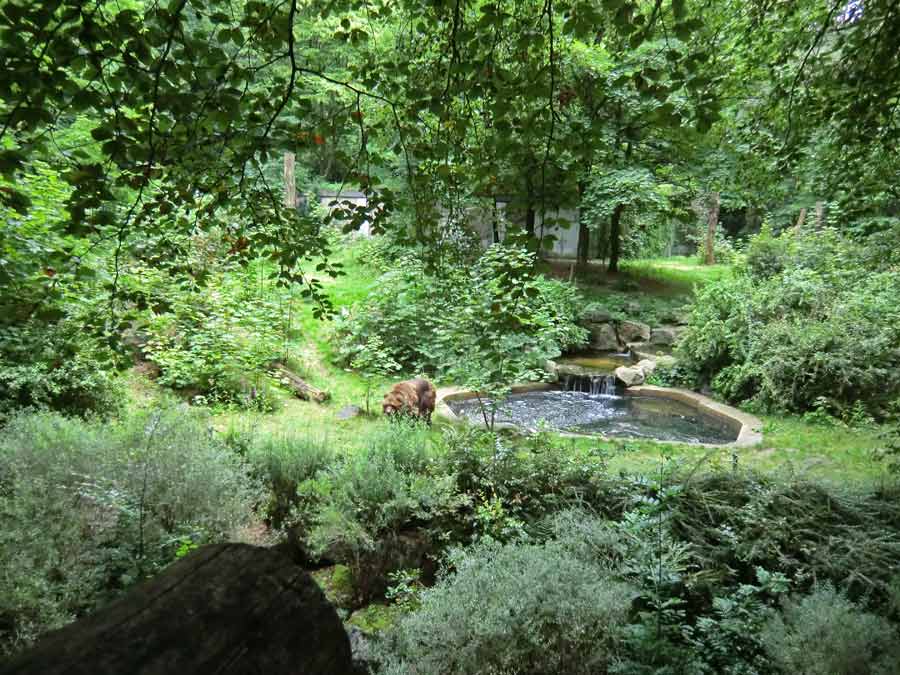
[501, 553]
[809, 321]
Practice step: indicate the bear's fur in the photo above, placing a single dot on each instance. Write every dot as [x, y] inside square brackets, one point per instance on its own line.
[412, 397]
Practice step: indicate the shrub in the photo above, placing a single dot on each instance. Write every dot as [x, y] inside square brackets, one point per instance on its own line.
[513, 482]
[56, 366]
[282, 462]
[443, 324]
[88, 509]
[824, 632]
[377, 510]
[818, 333]
[513, 608]
[214, 340]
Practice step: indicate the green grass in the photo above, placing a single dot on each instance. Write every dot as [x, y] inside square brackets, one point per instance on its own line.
[790, 443]
[682, 273]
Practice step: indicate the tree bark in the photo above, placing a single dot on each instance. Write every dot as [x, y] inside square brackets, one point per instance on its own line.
[300, 387]
[229, 608]
[584, 234]
[712, 222]
[290, 187]
[820, 215]
[801, 219]
[529, 222]
[615, 238]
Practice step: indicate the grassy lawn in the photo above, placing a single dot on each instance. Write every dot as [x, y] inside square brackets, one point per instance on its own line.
[790, 443]
[683, 272]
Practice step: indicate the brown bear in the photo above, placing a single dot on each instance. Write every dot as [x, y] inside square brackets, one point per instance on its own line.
[415, 398]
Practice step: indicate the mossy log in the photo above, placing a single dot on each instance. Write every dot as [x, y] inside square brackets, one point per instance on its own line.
[299, 386]
[228, 608]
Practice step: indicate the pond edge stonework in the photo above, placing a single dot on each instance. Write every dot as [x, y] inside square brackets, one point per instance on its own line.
[747, 426]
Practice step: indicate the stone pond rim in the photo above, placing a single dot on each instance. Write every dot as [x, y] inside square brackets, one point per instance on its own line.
[747, 426]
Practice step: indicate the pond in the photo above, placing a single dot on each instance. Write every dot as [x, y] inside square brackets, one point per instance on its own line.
[587, 412]
[597, 362]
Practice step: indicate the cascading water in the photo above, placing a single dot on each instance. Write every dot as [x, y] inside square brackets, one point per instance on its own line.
[595, 385]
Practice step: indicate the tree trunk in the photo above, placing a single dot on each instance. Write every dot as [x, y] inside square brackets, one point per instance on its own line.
[584, 234]
[710, 257]
[529, 221]
[615, 238]
[290, 187]
[300, 387]
[801, 219]
[820, 215]
[232, 609]
[495, 223]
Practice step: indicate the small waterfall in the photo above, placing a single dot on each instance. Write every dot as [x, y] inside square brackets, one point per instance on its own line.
[595, 385]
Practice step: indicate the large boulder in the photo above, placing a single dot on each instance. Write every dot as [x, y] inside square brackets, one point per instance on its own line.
[665, 336]
[633, 331]
[603, 337]
[630, 376]
[229, 608]
[646, 366]
[594, 314]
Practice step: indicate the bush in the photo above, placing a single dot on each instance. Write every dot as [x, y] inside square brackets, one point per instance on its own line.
[56, 366]
[437, 324]
[213, 340]
[813, 332]
[514, 482]
[282, 462]
[513, 608]
[824, 632]
[89, 509]
[378, 507]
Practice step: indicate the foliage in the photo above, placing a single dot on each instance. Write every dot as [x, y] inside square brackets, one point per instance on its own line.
[491, 325]
[89, 509]
[803, 324]
[373, 360]
[360, 506]
[282, 462]
[523, 608]
[56, 366]
[515, 482]
[858, 641]
[214, 339]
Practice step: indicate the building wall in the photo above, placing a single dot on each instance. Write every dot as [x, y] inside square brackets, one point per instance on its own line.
[480, 219]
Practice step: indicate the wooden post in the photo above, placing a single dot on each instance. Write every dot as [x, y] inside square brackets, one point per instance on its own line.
[290, 189]
[820, 215]
[711, 223]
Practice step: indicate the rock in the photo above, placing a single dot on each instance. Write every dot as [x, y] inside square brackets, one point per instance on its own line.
[633, 331]
[603, 337]
[665, 336]
[227, 608]
[646, 366]
[633, 308]
[595, 315]
[565, 369]
[630, 376]
[552, 368]
[349, 412]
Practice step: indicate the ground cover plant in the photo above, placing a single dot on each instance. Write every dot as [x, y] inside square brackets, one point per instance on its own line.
[210, 207]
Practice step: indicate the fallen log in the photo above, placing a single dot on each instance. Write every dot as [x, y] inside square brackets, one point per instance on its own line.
[227, 608]
[299, 386]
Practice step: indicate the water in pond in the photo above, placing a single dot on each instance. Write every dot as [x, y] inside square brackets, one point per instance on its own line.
[616, 416]
[599, 362]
